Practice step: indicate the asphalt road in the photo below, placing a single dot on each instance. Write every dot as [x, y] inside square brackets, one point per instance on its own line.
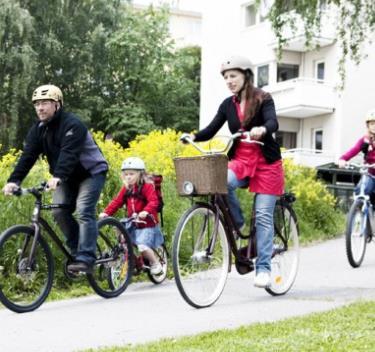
[147, 312]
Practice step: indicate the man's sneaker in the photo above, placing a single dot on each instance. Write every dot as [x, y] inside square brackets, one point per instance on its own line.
[262, 279]
[82, 267]
[156, 269]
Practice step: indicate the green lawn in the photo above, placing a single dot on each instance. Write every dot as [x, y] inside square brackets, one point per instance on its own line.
[351, 328]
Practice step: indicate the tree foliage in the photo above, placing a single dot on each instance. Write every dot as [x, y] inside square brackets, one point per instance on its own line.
[153, 85]
[354, 19]
[117, 66]
[17, 63]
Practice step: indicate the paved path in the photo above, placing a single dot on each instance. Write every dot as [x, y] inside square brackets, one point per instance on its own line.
[325, 281]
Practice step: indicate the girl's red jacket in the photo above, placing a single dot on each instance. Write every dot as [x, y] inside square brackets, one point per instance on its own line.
[146, 200]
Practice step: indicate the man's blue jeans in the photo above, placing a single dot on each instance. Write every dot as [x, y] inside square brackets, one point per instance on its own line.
[80, 235]
[264, 208]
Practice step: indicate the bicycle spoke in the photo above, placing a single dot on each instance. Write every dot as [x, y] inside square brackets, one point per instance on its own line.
[24, 285]
[200, 257]
[285, 258]
[355, 234]
[114, 266]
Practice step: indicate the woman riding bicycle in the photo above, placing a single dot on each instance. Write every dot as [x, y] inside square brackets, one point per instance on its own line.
[141, 200]
[259, 167]
[365, 144]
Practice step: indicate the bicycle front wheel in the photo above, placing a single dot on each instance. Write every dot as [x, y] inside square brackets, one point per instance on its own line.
[24, 283]
[200, 274]
[355, 234]
[113, 268]
[285, 256]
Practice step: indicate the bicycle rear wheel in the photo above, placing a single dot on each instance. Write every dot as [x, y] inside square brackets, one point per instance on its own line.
[24, 285]
[113, 268]
[285, 257]
[355, 234]
[200, 276]
[162, 255]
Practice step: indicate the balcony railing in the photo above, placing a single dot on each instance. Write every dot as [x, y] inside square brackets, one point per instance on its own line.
[309, 157]
[303, 97]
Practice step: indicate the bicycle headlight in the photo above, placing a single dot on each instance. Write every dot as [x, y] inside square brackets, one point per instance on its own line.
[188, 188]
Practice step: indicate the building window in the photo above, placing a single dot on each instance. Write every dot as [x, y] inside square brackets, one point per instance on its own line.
[262, 76]
[318, 139]
[250, 15]
[287, 140]
[320, 70]
[287, 71]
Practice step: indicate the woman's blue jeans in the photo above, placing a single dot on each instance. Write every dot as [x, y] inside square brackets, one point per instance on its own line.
[80, 235]
[264, 208]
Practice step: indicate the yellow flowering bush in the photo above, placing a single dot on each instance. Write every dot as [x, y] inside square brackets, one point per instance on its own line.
[315, 205]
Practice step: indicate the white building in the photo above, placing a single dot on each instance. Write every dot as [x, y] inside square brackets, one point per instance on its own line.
[185, 23]
[313, 115]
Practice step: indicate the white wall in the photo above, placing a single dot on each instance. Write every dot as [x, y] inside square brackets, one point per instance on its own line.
[224, 34]
[357, 99]
[185, 23]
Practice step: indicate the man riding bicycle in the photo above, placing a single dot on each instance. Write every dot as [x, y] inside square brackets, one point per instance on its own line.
[78, 170]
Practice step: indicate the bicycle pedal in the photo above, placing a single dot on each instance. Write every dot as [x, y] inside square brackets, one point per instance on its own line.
[244, 266]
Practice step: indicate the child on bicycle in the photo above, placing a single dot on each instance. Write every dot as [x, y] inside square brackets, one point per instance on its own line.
[366, 145]
[139, 197]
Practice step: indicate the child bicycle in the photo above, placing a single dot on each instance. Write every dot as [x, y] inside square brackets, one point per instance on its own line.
[142, 265]
[27, 265]
[360, 220]
[205, 238]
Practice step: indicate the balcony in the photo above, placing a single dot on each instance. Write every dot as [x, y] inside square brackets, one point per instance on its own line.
[298, 43]
[302, 97]
[309, 157]
[296, 38]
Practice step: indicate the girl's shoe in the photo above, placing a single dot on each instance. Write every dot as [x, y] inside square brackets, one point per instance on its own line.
[156, 269]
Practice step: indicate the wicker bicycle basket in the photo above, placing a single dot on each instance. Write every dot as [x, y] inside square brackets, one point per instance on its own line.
[208, 174]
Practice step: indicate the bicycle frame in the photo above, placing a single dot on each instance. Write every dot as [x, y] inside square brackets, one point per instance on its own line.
[37, 222]
[219, 204]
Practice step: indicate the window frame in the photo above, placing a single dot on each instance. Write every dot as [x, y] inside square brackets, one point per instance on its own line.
[317, 63]
[315, 131]
[268, 74]
[286, 64]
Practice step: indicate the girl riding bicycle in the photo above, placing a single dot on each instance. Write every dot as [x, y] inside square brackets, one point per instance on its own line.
[259, 167]
[141, 201]
[366, 145]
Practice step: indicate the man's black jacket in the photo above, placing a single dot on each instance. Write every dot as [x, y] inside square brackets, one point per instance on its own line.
[68, 145]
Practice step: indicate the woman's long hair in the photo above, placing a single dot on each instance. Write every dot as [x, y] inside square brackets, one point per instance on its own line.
[253, 97]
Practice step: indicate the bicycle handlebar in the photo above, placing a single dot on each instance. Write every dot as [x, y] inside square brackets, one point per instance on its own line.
[136, 219]
[33, 190]
[227, 147]
[360, 166]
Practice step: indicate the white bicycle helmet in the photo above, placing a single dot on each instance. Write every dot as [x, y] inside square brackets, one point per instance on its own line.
[370, 115]
[48, 92]
[235, 63]
[133, 163]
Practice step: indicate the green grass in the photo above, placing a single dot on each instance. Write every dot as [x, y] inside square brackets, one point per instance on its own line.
[350, 328]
